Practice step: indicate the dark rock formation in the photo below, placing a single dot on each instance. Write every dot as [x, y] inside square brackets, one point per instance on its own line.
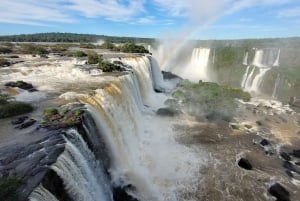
[19, 120]
[279, 192]
[167, 112]
[296, 153]
[30, 159]
[120, 194]
[26, 124]
[259, 123]
[244, 163]
[169, 76]
[289, 166]
[22, 85]
[285, 156]
[264, 142]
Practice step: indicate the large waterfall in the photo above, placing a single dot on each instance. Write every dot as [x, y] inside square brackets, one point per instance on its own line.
[144, 157]
[197, 69]
[263, 61]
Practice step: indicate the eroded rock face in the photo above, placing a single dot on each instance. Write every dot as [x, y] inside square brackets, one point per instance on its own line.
[244, 163]
[279, 192]
[30, 159]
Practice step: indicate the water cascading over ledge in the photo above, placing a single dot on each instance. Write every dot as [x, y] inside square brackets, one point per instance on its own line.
[122, 138]
[263, 61]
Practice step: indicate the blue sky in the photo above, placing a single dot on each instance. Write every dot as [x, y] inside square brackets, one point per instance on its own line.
[200, 19]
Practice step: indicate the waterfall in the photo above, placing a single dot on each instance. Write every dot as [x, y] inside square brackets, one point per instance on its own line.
[41, 194]
[243, 84]
[83, 176]
[142, 146]
[276, 63]
[197, 69]
[245, 60]
[276, 85]
[263, 61]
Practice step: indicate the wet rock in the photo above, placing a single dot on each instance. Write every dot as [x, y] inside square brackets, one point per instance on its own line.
[264, 142]
[289, 166]
[285, 156]
[259, 123]
[19, 120]
[296, 153]
[22, 85]
[297, 163]
[279, 192]
[167, 112]
[244, 163]
[169, 76]
[26, 124]
[120, 194]
[234, 126]
[289, 173]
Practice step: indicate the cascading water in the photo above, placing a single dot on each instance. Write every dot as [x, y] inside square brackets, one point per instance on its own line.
[276, 85]
[245, 60]
[82, 175]
[263, 61]
[197, 69]
[142, 147]
[41, 194]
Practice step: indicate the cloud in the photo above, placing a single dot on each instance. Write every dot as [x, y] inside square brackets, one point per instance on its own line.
[291, 12]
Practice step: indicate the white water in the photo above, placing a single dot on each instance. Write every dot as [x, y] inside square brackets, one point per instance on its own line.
[245, 60]
[198, 67]
[83, 176]
[276, 85]
[263, 61]
[143, 148]
[41, 194]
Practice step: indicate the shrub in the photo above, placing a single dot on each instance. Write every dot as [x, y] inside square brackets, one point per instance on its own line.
[79, 54]
[133, 48]
[5, 50]
[94, 58]
[9, 187]
[12, 108]
[87, 45]
[50, 111]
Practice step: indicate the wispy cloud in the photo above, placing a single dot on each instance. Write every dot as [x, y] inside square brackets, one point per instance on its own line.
[291, 12]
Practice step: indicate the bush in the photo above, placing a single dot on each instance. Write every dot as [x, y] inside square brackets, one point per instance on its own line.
[5, 50]
[13, 108]
[208, 98]
[133, 48]
[79, 54]
[94, 58]
[87, 45]
[9, 187]
[50, 111]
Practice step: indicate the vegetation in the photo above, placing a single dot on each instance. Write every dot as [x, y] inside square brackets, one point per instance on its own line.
[133, 48]
[79, 54]
[4, 62]
[210, 99]
[5, 50]
[94, 58]
[87, 45]
[30, 48]
[9, 187]
[71, 38]
[9, 107]
[106, 66]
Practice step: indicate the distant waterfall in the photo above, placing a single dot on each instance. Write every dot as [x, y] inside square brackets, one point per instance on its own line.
[276, 85]
[197, 69]
[245, 60]
[82, 174]
[41, 194]
[263, 61]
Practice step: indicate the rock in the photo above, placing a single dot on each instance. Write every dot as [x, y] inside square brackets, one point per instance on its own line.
[244, 163]
[289, 166]
[234, 126]
[297, 163]
[279, 192]
[248, 126]
[169, 76]
[298, 132]
[167, 112]
[19, 120]
[259, 123]
[289, 173]
[22, 85]
[264, 142]
[26, 124]
[285, 156]
[120, 194]
[294, 101]
[296, 153]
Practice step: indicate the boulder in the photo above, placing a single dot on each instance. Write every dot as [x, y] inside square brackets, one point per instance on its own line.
[264, 142]
[19, 120]
[26, 124]
[296, 153]
[294, 101]
[285, 156]
[244, 163]
[167, 112]
[279, 192]
[22, 85]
